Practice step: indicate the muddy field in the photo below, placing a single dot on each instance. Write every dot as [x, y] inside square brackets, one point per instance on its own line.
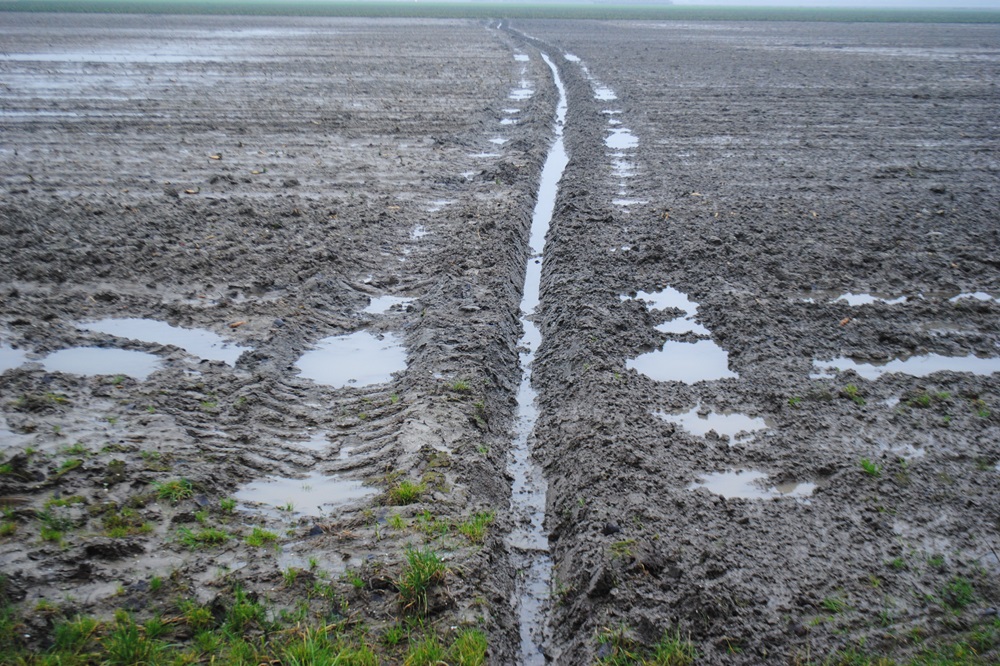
[261, 340]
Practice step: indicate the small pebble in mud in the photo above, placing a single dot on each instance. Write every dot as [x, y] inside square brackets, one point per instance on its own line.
[611, 528]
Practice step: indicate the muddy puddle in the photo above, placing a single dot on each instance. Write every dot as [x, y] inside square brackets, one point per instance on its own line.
[671, 299]
[200, 343]
[687, 362]
[314, 494]
[750, 484]
[914, 366]
[621, 138]
[864, 298]
[676, 361]
[975, 296]
[383, 304]
[701, 421]
[11, 358]
[358, 359]
[94, 361]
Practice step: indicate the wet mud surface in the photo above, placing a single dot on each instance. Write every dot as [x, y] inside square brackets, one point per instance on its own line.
[754, 218]
[781, 167]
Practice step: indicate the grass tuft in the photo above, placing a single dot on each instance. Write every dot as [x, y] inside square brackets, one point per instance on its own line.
[870, 468]
[474, 529]
[423, 570]
[469, 648]
[258, 537]
[406, 492]
[209, 536]
[174, 491]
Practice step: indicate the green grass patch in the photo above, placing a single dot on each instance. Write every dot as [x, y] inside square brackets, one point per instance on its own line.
[619, 648]
[474, 528]
[174, 491]
[423, 570]
[870, 468]
[204, 538]
[259, 537]
[406, 492]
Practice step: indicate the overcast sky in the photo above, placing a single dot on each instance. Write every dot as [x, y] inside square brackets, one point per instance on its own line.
[923, 4]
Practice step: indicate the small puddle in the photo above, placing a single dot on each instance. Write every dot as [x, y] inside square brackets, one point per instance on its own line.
[749, 484]
[420, 230]
[738, 427]
[382, 304]
[358, 359]
[625, 203]
[196, 342]
[622, 167]
[570, 57]
[499, 140]
[915, 366]
[508, 121]
[93, 361]
[671, 299]
[482, 156]
[312, 495]
[11, 358]
[621, 138]
[687, 362]
[318, 441]
[522, 57]
[667, 299]
[604, 94]
[977, 295]
[855, 300]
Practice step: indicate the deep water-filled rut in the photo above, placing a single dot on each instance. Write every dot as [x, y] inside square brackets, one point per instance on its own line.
[529, 541]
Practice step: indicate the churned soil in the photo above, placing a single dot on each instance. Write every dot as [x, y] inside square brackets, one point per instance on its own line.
[778, 168]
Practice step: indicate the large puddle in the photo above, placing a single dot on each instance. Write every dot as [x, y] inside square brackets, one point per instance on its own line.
[700, 422]
[687, 362]
[315, 494]
[93, 361]
[750, 484]
[196, 342]
[529, 541]
[915, 366]
[358, 359]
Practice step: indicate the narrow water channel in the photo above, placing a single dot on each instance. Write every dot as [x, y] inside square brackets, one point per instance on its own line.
[529, 541]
